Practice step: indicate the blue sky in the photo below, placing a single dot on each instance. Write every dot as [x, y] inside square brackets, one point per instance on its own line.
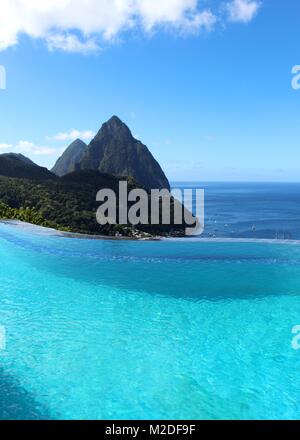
[207, 88]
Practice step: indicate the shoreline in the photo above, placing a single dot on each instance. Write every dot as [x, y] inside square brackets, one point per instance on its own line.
[56, 233]
[233, 240]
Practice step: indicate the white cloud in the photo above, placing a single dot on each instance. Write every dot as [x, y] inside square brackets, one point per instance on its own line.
[74, 134]
[242, 10]
[30, 148]
[78, 25]
[71, 43]
[5, 146]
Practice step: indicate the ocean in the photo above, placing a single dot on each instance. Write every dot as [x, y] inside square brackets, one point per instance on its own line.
[250, 210]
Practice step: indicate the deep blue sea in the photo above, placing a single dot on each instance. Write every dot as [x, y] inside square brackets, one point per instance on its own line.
[178, 329]
[250, 210]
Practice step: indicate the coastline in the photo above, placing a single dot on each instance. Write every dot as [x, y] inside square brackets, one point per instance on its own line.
[56, 233]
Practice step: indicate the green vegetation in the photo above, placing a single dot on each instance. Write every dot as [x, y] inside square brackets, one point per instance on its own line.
[67, 203]
[28, 215]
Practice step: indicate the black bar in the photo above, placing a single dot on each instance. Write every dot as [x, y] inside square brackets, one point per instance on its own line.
[150, 429]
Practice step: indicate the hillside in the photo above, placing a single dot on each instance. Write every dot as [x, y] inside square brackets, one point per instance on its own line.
[14, 165]
[68, 203]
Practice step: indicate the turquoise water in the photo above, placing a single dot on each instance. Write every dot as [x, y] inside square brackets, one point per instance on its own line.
[109, 329]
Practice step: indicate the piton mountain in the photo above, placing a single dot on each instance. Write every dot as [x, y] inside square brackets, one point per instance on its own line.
[114, 151]
[70, 158]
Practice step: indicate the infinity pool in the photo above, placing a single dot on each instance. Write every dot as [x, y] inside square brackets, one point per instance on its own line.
[142, 330]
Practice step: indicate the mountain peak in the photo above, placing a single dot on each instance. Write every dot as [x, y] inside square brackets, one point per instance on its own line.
[115, 120]
[115, 126]
[69, 159]
[78, 141]
[115, 151]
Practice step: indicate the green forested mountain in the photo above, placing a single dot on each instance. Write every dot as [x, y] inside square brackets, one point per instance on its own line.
[14, 165]
[67, 203]
[19, 156]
